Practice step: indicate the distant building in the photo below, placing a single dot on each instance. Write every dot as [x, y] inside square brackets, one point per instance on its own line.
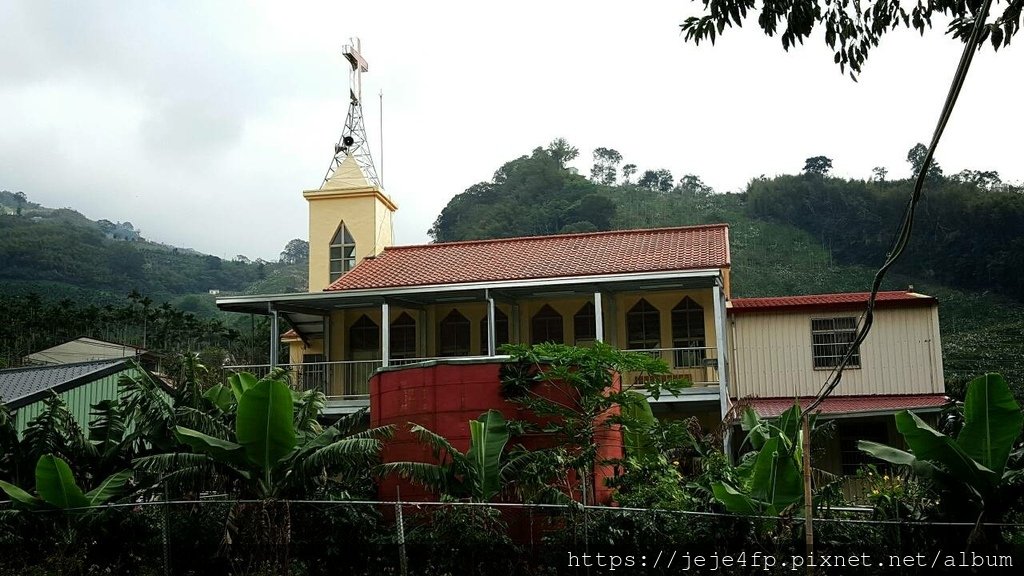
[91, 349]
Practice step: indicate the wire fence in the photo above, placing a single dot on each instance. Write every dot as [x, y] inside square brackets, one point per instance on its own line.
[312, 537]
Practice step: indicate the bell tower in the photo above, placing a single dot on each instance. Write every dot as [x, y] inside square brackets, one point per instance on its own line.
[350, 216]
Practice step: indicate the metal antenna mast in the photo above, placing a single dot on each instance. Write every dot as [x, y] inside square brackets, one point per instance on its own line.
[353, 136]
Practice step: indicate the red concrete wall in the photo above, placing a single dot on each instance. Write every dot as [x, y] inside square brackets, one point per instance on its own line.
[444, 398]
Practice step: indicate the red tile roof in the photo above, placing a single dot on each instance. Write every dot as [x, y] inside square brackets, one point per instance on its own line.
[590, 254]
[833, 405]
[843, 301]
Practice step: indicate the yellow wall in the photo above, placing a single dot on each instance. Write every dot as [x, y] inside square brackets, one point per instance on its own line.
[771, 355]
[366, 212]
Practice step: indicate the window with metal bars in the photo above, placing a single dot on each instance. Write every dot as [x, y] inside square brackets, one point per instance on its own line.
[830, 337]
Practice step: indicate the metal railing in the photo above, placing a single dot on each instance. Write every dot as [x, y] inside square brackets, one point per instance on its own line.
[349, 379]
[344, 380]
[699, 365]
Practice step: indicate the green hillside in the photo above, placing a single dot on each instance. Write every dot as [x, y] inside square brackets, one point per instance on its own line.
[63, 275]
[982, 329]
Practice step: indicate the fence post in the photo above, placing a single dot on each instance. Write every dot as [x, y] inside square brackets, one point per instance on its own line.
[403, 563]
[166, 535]
[808, 495]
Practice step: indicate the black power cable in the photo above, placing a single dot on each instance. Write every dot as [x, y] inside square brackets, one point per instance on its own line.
[903, 233]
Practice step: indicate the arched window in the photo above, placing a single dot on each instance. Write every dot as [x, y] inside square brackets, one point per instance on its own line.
[688, 333]
[364, 339]
[453, 339]
[584, 324]
[546, 326]
[500, 331]
[643, 326]
[343, 252]
[402, 342]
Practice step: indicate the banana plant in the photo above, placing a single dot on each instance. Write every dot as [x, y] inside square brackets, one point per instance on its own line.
[971, 468]
[769, 479]
[275, 444]
[481, 473]
[56, 488]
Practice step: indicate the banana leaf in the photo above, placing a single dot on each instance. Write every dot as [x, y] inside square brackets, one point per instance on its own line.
[992, 422]
[265, 423]
[488, 436]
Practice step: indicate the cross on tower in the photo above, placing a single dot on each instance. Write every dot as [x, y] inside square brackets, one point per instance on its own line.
[355, 58]
[353, 135]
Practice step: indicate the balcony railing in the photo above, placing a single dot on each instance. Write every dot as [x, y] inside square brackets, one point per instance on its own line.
[699, 365]
[349, 379]
[345, 380]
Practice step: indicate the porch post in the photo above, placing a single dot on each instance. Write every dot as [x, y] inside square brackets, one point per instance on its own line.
[385, 333]
[491, 330]
[598, 318]
[275, 336]
[723, 366]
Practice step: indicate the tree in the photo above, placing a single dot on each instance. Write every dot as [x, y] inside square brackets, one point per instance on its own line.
[21, 199]
[605, 168]
[562, 151]
[850, 30]
[916, 156]
[627, 172]
[295, 251]
[692, 185]
[878, 173]
[585, 398]
[818, 165]
[659, 180]
[986, 179]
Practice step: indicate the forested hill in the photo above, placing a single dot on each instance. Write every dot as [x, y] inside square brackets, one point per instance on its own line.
[60, 252]
[795, 234]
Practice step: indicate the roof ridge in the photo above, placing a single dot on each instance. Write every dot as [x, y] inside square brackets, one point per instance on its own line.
[915, 294]
[56, 366]
[550, 236]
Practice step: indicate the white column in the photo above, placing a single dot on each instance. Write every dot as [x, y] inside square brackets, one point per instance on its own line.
[598, 318]
[492, 335]
[275, 336]
[723, 367]
[385, 333]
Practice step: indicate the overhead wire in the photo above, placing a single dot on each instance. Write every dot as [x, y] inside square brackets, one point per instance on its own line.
[902, 236]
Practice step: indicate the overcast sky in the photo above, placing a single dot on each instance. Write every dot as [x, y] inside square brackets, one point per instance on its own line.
[203, 122]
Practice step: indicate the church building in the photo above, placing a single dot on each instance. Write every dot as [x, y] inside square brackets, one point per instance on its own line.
[373, 307]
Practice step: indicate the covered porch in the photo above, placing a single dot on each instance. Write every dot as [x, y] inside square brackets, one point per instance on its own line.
[339, 339]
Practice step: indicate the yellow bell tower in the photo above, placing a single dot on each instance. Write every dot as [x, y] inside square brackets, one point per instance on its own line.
[350, 218]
